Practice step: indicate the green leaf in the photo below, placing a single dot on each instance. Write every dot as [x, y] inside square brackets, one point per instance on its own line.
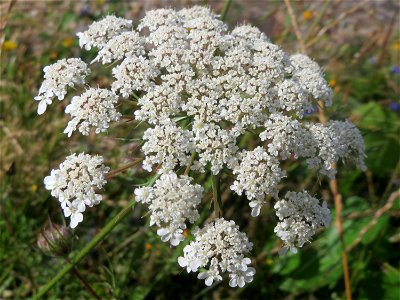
[374, 231]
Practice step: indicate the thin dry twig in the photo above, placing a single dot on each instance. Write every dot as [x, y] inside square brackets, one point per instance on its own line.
[387, 37]
[375, 219]
[339, 224]
[295, 26]
[335, 22]
[124, 168]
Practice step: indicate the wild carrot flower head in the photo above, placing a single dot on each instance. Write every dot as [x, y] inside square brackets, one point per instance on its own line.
[225, 103]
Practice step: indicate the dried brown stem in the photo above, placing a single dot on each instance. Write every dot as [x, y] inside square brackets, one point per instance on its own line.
[375, 219]
[335, 22]
[124, 168]
[387, 37]
[322, 118]
[295, 26]
[339, 224]
[83, 281]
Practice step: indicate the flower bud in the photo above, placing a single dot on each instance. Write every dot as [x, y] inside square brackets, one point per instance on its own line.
[55, 240]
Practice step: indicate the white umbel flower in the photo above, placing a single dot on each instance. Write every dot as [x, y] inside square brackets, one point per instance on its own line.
[300, 216]
[258, 176]
[172, 202]
[219, 247]
[124, 45]
[100, 32]
[214, 145]
[208, 94]
[249, 34]
[196, 12]
[157, 18]
[293, 97]
[310, 76]
[336, 140]
[57, 77]
[167, 144]
[133, 74]
[94, 108]
[287, 137]
[75, 182]
[160, 102]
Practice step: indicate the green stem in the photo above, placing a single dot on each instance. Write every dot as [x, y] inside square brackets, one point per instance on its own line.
[225, 9]
[187, 170]
[90, 246]
[216, 187]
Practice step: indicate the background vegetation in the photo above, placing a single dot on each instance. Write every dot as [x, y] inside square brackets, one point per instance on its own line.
[357, 42]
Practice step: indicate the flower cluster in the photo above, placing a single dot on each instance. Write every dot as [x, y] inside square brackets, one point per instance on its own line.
[219, 247]
[57, 77]
[258, 176]
[172, 201]
[334, 141]
[95, 107]
[219, 102]
[300, 215]
[75, 182]
[101, 32]
[167, 144]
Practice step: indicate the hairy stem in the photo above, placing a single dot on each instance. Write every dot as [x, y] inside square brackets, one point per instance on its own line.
[85, 250]
[225, 8]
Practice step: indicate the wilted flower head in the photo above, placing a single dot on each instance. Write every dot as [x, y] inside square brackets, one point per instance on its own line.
[55, 240]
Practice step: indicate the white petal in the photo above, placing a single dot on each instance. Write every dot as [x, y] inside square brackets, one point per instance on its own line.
[67, 212]
[209, 281]
[233, 282]
[256, 210]
[42, 107]
[202, 275]
[182, 261]
[241, 282]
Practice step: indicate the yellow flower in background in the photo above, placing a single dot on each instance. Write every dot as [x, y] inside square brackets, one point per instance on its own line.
[396, 46]
[33, 188]
[67, 42]
[332, 82]
[308, 15]
[269, 261]
[100, 2]
[9, 45]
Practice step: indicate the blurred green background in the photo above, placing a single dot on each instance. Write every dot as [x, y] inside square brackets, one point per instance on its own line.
[358, 45]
